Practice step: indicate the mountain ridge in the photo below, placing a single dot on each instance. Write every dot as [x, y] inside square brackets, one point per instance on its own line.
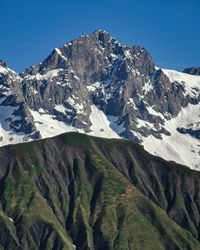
[71, 189]
[119, 84]
[192, 71]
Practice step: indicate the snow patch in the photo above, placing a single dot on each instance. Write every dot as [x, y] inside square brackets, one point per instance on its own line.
[190, 82]
[94, 86]
[147, 87]
[3, 70]
[7, 136]
[115, 125]
[100, 124]
[60, 108]
[128, 54]
[131, 101]
[60, 54]
[181, 148]
[49, 126]
[155, 113]
[48, 76]
[143, 123]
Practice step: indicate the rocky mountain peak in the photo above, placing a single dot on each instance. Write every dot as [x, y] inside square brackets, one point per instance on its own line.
[94, 84]
[103, 36]
[2, 64]
[3, 68]
[192, 71]
[93, 58]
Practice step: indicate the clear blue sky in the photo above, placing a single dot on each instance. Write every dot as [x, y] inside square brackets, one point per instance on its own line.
[169, 29]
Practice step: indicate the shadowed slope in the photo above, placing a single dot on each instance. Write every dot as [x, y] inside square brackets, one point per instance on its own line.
[96, 193]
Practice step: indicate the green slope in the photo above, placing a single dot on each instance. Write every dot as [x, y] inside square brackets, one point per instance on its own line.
[90, 192]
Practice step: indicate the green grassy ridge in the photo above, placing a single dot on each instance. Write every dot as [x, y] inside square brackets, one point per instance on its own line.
[155, 175]
[21, 198]
[117, 220]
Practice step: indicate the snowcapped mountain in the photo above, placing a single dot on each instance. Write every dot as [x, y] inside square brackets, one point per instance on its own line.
[98, 86]
[16, 121]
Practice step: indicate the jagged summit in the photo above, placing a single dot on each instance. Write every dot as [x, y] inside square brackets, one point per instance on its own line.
[103, 36]
[4, 70]
[96, 51]
[99, 31]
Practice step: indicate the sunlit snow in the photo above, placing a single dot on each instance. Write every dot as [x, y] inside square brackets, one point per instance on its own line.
[190, 82]
[181, 148]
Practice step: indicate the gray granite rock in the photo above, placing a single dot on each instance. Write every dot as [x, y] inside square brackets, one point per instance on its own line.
[96, 69]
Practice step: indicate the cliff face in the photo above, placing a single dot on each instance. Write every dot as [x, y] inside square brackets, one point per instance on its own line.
[95, 194]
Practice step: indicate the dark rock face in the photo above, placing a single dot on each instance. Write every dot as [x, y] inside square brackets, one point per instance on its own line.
[195, 133]
[98, 194]
[192, 71]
